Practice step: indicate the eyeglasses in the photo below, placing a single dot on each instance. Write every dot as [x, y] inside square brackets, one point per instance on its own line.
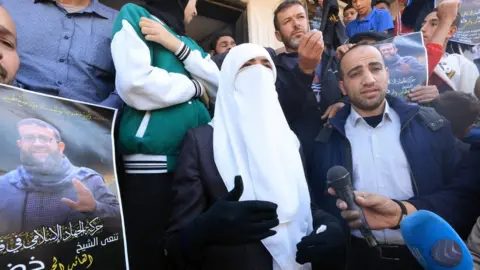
[33, 139]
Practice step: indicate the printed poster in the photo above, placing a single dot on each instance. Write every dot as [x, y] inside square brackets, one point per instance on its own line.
[406, 58]
[468, 31]
[60, 207]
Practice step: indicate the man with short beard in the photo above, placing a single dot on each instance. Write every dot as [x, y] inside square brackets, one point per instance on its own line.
[400, 65]
[403, 152]
[307, 82]
[9, 61]
[47, 190]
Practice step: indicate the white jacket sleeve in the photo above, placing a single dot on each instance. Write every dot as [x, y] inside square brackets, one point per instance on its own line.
[141, 85]
[201, 69]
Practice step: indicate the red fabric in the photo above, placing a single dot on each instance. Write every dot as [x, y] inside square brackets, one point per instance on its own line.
[434, 53]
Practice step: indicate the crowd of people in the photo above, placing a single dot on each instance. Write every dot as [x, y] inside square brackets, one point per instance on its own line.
[225, 152]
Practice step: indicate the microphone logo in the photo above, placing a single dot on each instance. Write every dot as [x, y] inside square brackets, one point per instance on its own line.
[447, 252]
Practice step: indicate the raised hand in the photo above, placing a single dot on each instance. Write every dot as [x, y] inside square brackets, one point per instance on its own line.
[310, 51]
[86, 201]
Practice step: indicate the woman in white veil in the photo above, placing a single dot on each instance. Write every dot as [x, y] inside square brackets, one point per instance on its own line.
[241, 200]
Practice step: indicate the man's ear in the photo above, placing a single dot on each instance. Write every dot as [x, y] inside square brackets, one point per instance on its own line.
[340, 85]
[61, 146]
[452, 32]
[278, 36]
[212, 53]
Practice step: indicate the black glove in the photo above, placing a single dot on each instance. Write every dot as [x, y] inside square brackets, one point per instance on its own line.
[323, 249]
[230, 222]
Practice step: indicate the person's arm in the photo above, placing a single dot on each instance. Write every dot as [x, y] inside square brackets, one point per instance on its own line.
[294, 86]
[415, 66]
[189, 202]
[385, 21]
[202, 69]
[141, 85]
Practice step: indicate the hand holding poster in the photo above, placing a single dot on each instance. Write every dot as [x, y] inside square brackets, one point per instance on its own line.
[59, 200]
[468, 31]
[406, 59]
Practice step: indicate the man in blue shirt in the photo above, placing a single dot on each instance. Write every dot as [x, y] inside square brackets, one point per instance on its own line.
[369, 19]
[65, 48]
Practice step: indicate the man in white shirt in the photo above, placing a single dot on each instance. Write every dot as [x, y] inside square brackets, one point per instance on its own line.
[405, 153]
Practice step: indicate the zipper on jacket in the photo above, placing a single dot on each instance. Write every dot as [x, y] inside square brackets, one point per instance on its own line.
[408, 162]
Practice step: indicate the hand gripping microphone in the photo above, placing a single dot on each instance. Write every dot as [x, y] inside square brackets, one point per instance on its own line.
[434, 243]
[339, 179]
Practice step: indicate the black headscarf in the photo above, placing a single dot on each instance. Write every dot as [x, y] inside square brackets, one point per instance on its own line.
[171, 12]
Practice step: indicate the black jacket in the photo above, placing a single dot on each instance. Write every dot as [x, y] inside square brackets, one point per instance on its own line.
[196, 187]
[296, 96]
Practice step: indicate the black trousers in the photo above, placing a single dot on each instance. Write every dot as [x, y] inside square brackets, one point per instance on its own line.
[362, 257]
[146, 201]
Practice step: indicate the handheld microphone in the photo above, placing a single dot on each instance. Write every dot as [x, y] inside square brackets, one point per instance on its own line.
[434, 243]
[339, 179]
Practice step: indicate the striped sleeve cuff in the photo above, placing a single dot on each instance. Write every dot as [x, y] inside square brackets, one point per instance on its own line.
[183, 52]
[198, 88]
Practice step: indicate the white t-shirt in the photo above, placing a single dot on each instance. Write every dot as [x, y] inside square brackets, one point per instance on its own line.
[462, 72]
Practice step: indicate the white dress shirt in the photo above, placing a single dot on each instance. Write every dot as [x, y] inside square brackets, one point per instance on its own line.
[379, 163]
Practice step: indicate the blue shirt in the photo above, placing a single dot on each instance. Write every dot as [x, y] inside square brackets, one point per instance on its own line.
[65, 54]
[378, 20]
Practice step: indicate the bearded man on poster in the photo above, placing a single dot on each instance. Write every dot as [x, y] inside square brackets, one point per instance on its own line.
[48, 190]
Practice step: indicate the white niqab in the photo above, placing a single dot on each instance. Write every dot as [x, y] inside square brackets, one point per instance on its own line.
[251, 138]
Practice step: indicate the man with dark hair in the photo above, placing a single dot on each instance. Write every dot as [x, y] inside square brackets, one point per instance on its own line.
[221, 43]
[47, 178]
[401, 65]
[9, 60]
[461, 109]
[382, 141]
[307, 81]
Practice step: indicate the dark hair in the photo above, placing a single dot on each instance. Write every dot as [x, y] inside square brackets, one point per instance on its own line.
[216, 37]
[386, 2]
[460, 109]
[40, 123]
[284, 5]
[358, 45]
[347, 7]
[457, 20]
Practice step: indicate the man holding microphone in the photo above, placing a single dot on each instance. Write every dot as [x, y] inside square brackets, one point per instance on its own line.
[403, 152]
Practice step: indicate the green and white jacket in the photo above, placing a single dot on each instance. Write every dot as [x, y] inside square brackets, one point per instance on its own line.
[161, 91]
